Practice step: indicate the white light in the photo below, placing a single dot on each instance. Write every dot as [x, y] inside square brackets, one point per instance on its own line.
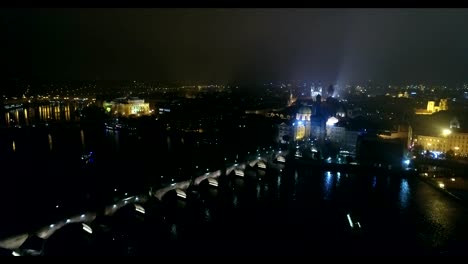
[181, 193]
[452, 179]
[116, 189]
[446, 132]
[57, 206]
[68, 220]
[51, 226]
[239, 173]
[16, 254]
[139, 209]
[350, 221]
[359, 225]
[87, 228]
[213, 182]
[83, 216]
[126, 193]
[332, 121]
[441, 185]
[114, 206]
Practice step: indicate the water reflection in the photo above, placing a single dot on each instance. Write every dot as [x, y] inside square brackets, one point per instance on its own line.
[258, 190]
[294, 193]
[169, 145]
[174, 233]
[82, 140]
[327, 185]
[25, 112]
[50, 141]
[404, 193]
[207, 215]
[374, 182]
[278, 185]
[235, 200]
[27, 116]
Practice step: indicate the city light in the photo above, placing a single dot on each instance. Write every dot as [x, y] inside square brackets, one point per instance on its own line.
[139, 209]
[350, 221]
[332, 121]
[446, 132]
[87, 228]
[181, 193]
[441, 185]
[213, 182]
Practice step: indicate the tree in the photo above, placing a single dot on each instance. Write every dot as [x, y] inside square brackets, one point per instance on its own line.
[450, 154]
[417, 150]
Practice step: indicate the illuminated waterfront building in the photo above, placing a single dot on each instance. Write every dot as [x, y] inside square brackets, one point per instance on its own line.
[127, 106]
[458, 142]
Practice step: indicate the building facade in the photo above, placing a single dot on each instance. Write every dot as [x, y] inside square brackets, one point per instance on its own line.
[345, 138]
[127, 106]
[302, 126]
[458, 142]
[433, 108]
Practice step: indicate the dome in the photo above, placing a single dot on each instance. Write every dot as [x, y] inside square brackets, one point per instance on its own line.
[304, 111]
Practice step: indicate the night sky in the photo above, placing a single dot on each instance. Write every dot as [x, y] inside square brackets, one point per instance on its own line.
[236, 45]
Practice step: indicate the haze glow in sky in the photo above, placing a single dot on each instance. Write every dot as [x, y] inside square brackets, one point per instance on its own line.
[236, 45]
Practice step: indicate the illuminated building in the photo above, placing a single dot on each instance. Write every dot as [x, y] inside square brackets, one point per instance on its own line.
[454, 123]
[404, 132]
[127, 106]
[285, 132]
[403, 95]
[346, 139]
[433, 108]
[458, 142]
[302, 124]
[292, 99]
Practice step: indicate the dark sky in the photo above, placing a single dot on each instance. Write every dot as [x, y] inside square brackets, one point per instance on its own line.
[225, 45]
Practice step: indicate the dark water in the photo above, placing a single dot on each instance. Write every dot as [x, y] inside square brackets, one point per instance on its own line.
[44, 179]
[303, 211]
[285, 210]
